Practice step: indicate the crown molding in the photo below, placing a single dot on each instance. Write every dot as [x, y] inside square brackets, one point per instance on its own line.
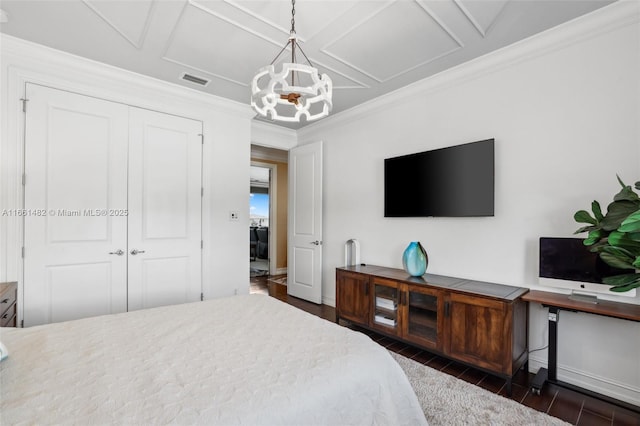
[273, 136]
[614, 16]
[33, 58]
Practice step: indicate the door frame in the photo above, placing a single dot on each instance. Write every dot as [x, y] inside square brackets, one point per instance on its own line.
[273, 221]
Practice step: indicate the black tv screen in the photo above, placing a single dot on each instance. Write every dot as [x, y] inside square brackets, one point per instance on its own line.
[569, 259]
[456, 181]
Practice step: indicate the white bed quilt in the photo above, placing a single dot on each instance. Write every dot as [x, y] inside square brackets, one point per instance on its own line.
[249, 360]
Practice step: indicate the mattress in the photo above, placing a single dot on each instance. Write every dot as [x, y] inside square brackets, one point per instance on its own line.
[250, 360]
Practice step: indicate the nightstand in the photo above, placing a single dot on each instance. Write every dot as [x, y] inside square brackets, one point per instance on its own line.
[8, 304]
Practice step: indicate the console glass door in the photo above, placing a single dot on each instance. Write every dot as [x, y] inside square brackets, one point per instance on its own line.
[385, 304]
[423, 321]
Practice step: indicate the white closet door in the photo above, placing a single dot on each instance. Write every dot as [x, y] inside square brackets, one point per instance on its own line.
[76, 184]
[165, 155]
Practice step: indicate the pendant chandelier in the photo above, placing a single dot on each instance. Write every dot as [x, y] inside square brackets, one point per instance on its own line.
[296, 91]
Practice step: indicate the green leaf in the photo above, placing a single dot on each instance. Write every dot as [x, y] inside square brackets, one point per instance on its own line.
[622, 289]
[622, 283]
[585, 229]
[623, 279]
[597, 247]
[633, 236]
[583, 216]
[616, 213]
[621, 253]
[638, 185]
[631, 223]
[626, 194]
[621, 239]
[594, 237]
[636, 263]
[597, 211]
[614, 261]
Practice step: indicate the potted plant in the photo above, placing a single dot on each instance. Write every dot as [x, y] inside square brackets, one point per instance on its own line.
[616, 236]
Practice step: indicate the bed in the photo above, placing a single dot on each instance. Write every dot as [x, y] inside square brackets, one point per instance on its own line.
[250, 360]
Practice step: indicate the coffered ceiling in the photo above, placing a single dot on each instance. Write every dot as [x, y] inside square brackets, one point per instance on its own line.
[368, 47]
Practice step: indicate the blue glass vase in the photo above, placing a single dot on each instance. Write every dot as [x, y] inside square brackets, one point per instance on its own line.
[415, 259]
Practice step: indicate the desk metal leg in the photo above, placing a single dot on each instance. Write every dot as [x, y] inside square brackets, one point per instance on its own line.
[551, 372]
[553, 343]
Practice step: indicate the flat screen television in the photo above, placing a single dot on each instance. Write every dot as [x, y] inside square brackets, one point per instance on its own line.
[567, 263]
[456, 181]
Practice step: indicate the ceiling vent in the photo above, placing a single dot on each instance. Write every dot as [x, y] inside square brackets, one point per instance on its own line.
[196, 80]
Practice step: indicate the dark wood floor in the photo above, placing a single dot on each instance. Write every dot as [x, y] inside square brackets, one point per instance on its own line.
[570, 406]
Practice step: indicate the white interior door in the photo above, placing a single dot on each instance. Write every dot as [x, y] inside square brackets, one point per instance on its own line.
[304, 277]
[75, 186]
[165, 154]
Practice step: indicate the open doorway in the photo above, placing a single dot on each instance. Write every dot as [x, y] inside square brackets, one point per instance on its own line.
[259, 215]
[269, 185]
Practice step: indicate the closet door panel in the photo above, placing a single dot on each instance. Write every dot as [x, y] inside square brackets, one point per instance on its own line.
[76, 184]
[165, 184]
[165, 155]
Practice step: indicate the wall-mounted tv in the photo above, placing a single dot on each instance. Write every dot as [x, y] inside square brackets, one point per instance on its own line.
[456, 181]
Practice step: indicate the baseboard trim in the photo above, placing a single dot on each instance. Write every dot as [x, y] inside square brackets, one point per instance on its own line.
[330, 301]
[620, 391]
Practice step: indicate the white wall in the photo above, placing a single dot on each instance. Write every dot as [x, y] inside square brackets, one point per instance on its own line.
[564, 109]
[226, 151]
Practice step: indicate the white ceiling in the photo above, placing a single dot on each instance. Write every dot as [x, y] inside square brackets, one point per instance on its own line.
[368, 47]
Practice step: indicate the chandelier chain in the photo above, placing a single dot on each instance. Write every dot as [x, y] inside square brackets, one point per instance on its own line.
[293, 40]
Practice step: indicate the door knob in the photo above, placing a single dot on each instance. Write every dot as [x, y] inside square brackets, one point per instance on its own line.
[117, 252]
[136, 251]
[316, 242]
